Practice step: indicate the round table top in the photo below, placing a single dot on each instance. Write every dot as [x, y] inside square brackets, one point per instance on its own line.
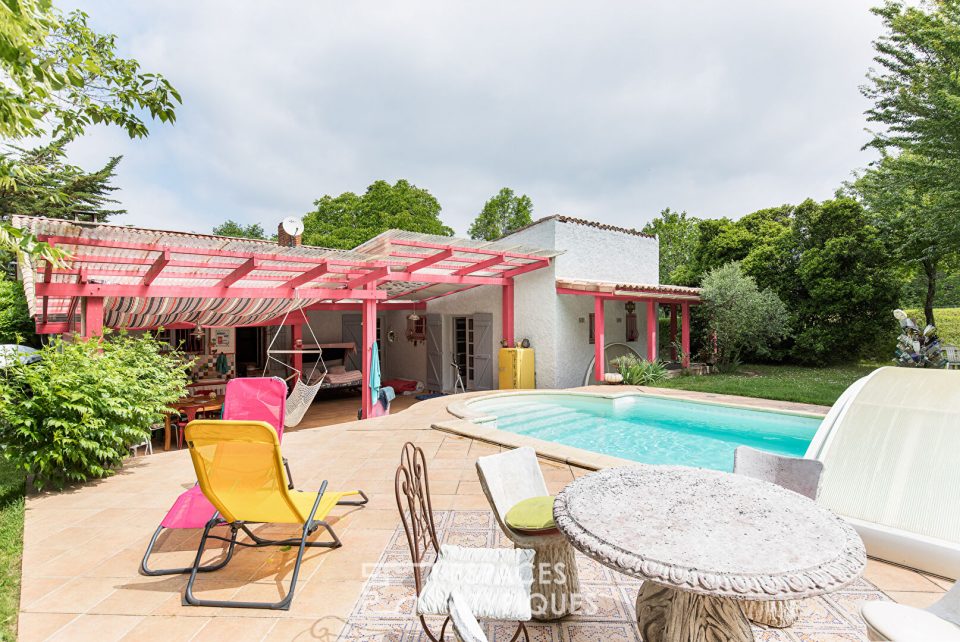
[709, 532]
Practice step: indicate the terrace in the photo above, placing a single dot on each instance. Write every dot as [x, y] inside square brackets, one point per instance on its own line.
[82, 549]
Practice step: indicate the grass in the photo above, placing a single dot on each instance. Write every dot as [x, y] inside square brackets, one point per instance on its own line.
[11, 547]
[821, 386]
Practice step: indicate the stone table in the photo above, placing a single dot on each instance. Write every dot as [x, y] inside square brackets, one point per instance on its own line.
[706, 543]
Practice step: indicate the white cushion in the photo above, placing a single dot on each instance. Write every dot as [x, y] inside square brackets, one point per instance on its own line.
[900, 623]
[494, 582]
[465, 626]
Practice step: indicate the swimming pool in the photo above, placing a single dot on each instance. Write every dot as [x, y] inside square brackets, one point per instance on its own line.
[649, 429]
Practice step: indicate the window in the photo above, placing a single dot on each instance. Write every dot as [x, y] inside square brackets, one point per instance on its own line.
[592, 321]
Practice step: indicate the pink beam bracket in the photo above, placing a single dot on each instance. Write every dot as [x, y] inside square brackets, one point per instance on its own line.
[308, 276]
[599, 352]
[153, 272]
[239, 272]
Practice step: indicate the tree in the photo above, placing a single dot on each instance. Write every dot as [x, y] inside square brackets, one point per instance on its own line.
[845, 282]
[678, 237]
[347, 220]
[744, 320]
[920, 221]
[16, 326]
[232, 228]
[55, 189]
[501, 215]
[60, 76]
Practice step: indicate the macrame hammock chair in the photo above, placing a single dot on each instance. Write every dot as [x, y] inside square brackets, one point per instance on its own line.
[304, 392]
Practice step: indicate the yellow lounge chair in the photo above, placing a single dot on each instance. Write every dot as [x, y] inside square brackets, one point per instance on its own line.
[240, 470]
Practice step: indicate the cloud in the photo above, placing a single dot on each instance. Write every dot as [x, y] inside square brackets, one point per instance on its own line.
[610, 111]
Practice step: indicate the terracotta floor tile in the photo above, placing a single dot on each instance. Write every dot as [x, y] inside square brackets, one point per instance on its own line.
[76, 596]
[40, 626]
[305, 629]
[97, 628]
[235, 629]
[166, 629]
[326, 597]
[939, 581]
[919, 599]
[888, 577]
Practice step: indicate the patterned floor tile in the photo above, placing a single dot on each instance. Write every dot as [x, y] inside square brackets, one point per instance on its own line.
[385, 611]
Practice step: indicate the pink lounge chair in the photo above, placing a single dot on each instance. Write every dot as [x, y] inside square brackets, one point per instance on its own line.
[248, 399]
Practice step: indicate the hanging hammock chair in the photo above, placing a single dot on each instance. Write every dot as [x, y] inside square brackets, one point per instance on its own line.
[305, 389]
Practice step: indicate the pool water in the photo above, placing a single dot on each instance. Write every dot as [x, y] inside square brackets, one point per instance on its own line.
[649, 429]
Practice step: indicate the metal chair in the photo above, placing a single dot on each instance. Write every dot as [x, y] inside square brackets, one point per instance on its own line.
[500, 578]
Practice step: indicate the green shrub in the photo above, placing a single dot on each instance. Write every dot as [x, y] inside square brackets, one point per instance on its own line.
[640, 372]
[72, 416]
[16, 326]
[948, 323]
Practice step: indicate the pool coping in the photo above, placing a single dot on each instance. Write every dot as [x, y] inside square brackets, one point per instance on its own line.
[476, 425]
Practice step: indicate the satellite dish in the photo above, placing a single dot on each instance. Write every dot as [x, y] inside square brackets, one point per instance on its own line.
[292, 226]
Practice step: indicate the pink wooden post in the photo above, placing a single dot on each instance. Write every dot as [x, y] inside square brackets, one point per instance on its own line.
[685, 335]
[652, 327]
[507, 313]
[600, 365]
[92, 317]
[296, 339]
[673, 331]
[369, 332]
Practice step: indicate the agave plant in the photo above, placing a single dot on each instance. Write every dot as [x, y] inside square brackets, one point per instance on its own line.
[640, 372]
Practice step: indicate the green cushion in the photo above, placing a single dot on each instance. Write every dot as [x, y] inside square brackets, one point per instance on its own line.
[534, 514]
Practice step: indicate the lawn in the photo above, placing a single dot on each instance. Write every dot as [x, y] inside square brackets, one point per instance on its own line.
[11, 547]
[786, 383]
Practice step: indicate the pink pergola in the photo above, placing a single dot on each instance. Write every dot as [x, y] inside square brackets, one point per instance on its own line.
[653, 296]
[134, 278]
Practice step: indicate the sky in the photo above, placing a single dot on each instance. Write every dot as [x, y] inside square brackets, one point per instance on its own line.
[609, 111]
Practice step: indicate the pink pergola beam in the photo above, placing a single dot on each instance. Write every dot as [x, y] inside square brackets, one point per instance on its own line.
[482, 265]
[599, 347]
[467, 250]
[369, 335]
[308, 276]
[197, 251]
[685, 334]
[154, 270]
[372, 275]
[159, 291]
[507, 313]
[444, 278]
[541, 263]
[653, 324]
[208, 265]
[442, 255]
[673, 332]
[239, 272]
[665, 298]
[92, 317]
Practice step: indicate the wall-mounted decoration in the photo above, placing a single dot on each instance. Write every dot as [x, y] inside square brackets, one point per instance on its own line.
[222, 340]
[632, 333]
[416, 328]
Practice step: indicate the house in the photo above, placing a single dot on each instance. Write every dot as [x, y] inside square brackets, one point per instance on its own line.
[569, 287]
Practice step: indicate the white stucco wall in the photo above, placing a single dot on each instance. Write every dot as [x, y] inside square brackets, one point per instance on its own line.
[605, 255]
[404, 359]
[484, 298]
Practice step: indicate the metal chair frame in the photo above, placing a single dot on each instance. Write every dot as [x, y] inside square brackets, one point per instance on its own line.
[412, 487]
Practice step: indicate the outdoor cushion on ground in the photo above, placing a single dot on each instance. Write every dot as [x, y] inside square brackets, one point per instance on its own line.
[534, 514]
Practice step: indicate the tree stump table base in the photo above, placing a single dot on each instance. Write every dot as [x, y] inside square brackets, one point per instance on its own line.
[776, 613]
[668, 615]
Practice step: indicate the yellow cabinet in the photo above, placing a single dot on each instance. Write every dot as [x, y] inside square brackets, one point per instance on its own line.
[516, 369]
